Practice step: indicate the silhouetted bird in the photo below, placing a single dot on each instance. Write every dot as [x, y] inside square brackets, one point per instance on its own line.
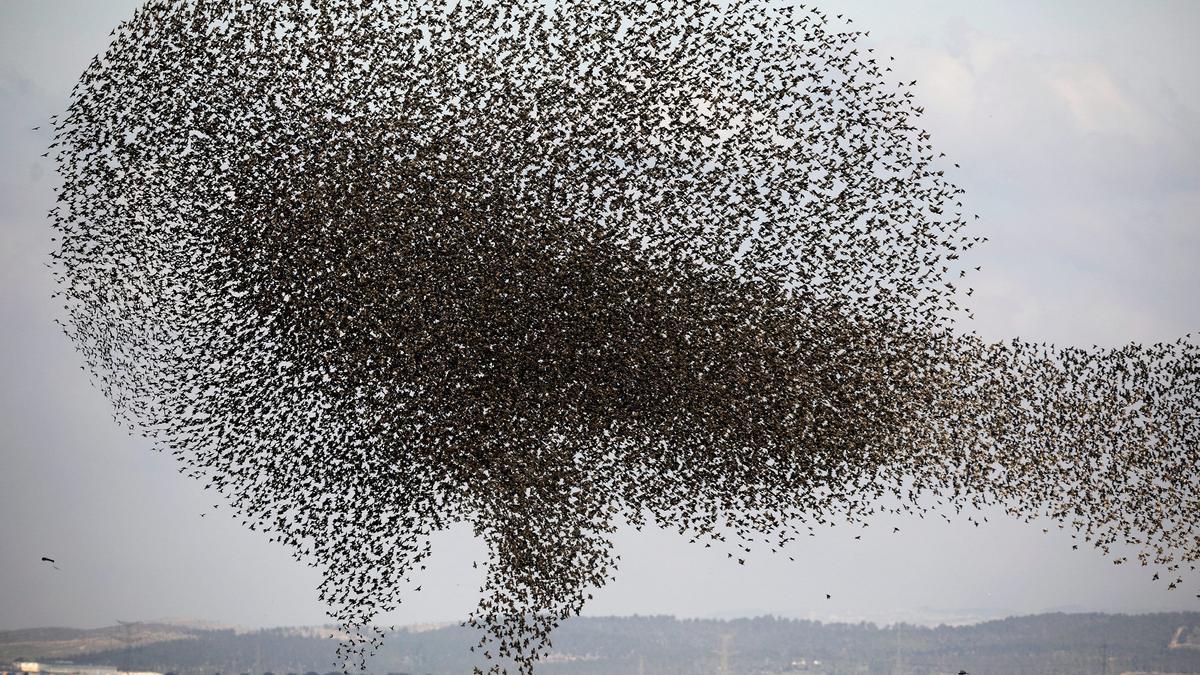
[369, 269]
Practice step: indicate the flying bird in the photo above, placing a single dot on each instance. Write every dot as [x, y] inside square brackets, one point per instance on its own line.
[385, 267]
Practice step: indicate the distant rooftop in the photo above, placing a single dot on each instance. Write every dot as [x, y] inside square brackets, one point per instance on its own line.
[71, 669]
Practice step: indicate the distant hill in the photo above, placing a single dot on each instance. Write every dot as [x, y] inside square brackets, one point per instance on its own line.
[1029, 645]
[66, 643]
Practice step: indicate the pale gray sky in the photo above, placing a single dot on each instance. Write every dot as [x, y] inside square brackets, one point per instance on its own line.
[1077, 127]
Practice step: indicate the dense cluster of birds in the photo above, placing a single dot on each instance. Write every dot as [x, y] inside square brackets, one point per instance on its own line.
[369, 268]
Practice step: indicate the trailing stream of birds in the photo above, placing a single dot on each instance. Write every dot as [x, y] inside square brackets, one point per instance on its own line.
[372, 268]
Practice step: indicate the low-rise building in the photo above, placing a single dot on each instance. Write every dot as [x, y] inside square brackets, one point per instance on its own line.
[39, 668]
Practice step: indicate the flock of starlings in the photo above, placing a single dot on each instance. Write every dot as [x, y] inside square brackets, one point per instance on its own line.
[369, 268]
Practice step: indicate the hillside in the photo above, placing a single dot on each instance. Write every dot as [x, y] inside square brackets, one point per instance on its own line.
[1030, 645]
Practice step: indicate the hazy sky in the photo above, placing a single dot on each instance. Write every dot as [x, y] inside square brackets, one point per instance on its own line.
[1077, 128]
